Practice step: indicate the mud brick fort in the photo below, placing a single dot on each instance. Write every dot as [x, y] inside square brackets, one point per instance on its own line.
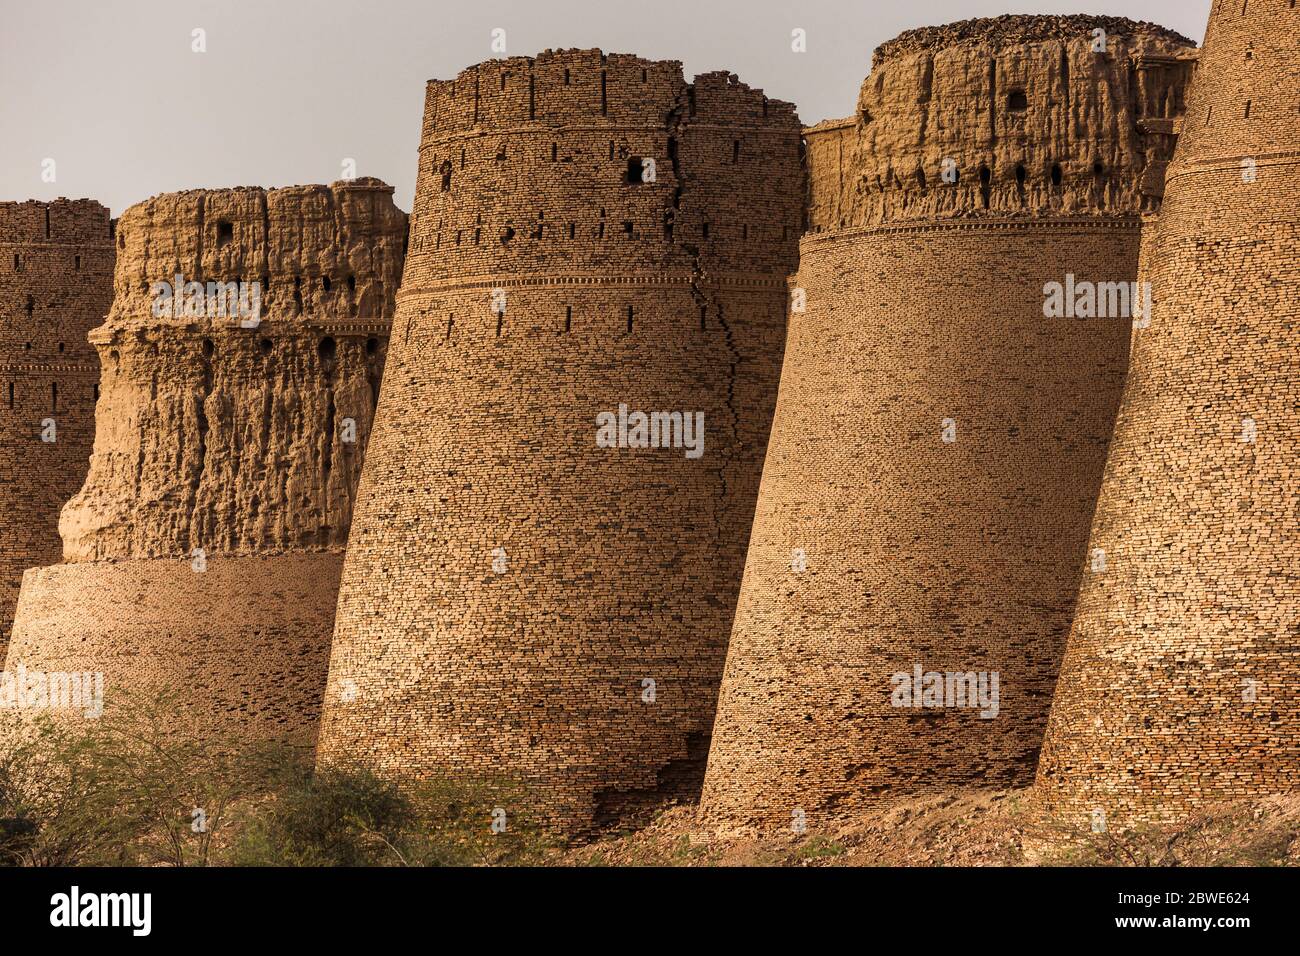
[588, 231]
[1098, 509]
[204, 550]
[940, 494]
[56, 283]
[1179, 683]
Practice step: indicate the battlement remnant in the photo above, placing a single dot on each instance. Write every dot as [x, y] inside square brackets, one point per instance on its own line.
[235, 449]
[577, 87]
[65, 221]
[1019, 116]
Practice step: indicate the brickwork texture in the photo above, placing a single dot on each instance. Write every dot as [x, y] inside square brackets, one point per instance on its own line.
[517, 600]
[938, 441]
[957, 483]
[203, 551]
[1178, 685]
[56, 280]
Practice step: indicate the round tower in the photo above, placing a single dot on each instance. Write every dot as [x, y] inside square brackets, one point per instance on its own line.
[552, 525]
[1178, 684]
[56, 283]
[242, 360]
[943, 417]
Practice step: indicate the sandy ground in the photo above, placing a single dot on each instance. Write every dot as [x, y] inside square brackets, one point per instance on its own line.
[998, 828]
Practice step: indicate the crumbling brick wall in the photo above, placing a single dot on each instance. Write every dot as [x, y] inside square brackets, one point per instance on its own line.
[938, 441]
[517, 601]
[1034, 118]
[204, 549]
[56, 270]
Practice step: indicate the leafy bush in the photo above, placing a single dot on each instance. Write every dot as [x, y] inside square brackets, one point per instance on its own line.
[145, 785]
[58, 804]
[350, 817]
[330, 819]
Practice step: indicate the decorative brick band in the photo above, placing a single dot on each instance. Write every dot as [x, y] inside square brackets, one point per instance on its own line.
[1059, 226]
[648, 280]
[104, 335]
[91, 370]
[553, 131]
[61, 246]
[1219, 164]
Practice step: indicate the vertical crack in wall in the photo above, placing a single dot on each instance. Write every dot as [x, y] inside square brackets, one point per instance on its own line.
[201, 211]
[683, 774]
[993, 100]
[924, 96]
[142, 445]
[336, 239]
[733, 363]
[1068, 106]
[264, 260]
[678, 119]
[196, 531]
[268, 409]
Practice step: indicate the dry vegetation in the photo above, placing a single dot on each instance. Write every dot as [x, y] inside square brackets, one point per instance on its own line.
[127, 790]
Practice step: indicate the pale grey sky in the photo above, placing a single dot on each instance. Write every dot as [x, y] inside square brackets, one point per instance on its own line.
[111, 91]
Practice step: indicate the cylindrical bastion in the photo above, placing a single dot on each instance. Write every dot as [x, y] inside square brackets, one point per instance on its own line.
[554, 515]
[941, 427]
[242, 360]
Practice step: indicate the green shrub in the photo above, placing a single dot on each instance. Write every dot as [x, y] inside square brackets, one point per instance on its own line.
[328, 819]
[351, 817]
[58, 801]
[145, 785]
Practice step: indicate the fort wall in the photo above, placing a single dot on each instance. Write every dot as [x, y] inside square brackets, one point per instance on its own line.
[517, 600]
[56, 268]
[220, 438]
[241, 643]
[953, 474]
[927, 511]
[1177, 687]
